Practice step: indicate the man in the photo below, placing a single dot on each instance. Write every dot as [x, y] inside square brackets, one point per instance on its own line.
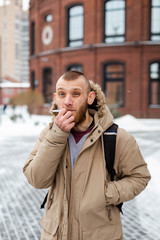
[69, 158]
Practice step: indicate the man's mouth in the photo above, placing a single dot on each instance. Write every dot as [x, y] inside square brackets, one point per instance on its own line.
[71, 110]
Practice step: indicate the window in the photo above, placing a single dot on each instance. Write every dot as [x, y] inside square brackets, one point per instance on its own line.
[154, 88]
[155, 20]
[20, 91]
[33, 80]
[8, 91]
[47, 85]
[75, 26]
[114, 78]
[32, 38]
[17, 26]
[25, 29]
[48, 18]
[17, 51]
[75, 67]
[114, 21]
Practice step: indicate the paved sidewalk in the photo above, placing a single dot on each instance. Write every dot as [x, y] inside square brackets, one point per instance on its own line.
[20, 203]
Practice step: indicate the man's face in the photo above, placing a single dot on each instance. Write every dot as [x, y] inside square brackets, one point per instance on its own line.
[73, 96]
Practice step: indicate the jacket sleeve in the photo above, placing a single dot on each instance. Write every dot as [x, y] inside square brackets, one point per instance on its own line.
[130, 168]
[42, 163]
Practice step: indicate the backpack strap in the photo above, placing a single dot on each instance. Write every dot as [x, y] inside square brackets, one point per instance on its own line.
[109, 141]
[44, 201]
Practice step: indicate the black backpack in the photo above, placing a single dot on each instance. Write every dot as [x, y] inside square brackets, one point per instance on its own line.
[109, 140]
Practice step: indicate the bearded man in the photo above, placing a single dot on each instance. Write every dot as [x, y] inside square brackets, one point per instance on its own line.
[69, 158]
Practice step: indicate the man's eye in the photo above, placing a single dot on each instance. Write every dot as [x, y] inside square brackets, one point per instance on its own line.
[76, 93]
[60, 94]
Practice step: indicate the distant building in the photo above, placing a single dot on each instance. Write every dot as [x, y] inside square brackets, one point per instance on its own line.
[14, 41]
[116, 43]
[10, 88]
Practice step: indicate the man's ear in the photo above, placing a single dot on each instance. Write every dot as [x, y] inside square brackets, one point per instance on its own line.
[91, 97]
[54, 96]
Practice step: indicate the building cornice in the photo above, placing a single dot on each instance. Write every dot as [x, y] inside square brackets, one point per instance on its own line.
[96, 45]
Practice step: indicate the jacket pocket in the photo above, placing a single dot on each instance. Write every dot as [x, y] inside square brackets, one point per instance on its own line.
[49, 227]
[109, 232]
[47, 236]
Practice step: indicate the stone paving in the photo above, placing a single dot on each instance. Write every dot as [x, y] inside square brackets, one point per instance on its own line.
[20, 203]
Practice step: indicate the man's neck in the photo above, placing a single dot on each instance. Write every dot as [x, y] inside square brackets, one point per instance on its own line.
[85, 124]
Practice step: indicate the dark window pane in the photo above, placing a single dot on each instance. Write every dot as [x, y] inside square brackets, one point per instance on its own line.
[115, 93]
[154, 90]
[33, 80]
[47, 85]
[155, 93]
[32, 38]
[114, 84]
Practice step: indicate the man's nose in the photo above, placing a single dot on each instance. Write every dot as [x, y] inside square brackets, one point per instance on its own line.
[68, 100]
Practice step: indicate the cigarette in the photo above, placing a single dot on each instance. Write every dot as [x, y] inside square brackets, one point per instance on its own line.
[55, 110]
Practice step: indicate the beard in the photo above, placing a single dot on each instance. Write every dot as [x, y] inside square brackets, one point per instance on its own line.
[81, 114]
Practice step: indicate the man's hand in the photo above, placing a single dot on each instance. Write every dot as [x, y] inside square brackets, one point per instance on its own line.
[65, 120]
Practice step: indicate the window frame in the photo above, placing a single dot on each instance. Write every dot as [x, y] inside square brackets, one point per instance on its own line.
[74, 65]
[44, 83]
[123, 81]
[150, 83]
[68, 27]
[104, 26]
[33, 85]
[32, 37]
[152, 34]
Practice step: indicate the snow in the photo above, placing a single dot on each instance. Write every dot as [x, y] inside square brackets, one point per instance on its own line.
[8, 84]
[24, 125]
[132, 124]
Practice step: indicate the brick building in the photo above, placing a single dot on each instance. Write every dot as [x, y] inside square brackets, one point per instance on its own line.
[116, 43]
[9, 88]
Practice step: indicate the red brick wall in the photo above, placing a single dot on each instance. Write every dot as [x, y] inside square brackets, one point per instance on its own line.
[10, 92]
[137, 52]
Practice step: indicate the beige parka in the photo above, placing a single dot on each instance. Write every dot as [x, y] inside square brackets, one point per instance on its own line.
[80, 205]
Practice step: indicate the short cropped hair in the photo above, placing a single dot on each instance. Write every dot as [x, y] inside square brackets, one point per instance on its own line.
[74, 75]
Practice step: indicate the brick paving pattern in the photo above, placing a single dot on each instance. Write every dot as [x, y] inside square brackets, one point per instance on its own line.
[20, 203]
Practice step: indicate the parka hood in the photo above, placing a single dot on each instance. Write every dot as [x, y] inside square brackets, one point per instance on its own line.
[99, 105]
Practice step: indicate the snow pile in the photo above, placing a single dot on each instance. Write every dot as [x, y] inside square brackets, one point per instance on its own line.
[132, 124]
[18, 122]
